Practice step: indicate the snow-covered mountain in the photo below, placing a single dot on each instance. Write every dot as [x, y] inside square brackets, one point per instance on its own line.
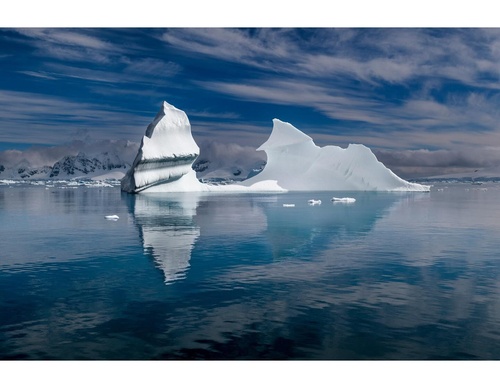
[105, 159]
[230, 162]
[79, 166]
[89, 166]
[475, 174]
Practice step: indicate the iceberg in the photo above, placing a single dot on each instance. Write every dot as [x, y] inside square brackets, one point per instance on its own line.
[344, 199]
[164, 163]
[297, 164]
[165, 155]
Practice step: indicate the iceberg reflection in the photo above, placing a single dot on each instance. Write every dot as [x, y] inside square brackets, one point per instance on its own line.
[168, 231]
[309, 231]
[226, 226]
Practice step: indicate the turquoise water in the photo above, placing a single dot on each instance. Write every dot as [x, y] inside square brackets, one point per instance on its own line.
[394, 276]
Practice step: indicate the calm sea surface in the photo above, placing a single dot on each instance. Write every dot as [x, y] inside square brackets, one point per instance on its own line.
[394, 276]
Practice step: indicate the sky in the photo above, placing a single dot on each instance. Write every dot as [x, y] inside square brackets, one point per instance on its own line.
[425, 100]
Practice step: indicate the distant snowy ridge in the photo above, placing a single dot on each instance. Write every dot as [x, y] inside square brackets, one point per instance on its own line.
[99, 160]
[227, 162]
[480, 173]
[84, 165]
[167, 152]
[69, 167]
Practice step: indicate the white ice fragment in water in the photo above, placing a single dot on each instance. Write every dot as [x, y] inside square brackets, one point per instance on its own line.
[313, 202]
[344, 199]
[114, 217]
[288, 205]
[7, 182]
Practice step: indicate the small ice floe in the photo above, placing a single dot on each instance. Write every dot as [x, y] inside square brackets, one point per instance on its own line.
[313, 202]
[114, 217]
[7, 182]
[288, 205]
[344, 199]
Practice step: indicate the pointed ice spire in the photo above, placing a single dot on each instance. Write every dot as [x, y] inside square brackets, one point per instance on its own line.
[169, 116]
[284, 134]
[166, 153]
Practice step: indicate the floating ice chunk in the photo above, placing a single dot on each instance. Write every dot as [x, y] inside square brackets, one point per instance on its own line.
[7, 182]
[313, 202]
[114, 217]
[288, 205]
[344, 199]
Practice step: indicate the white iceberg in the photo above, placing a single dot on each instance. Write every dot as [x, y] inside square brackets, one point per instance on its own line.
[344, 199]
[166, 153]
[314, 202]
[294, 163]
[113, 217]
[297, 164]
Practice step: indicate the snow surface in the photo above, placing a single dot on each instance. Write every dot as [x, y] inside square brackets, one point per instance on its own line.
[294, 163]
[116, 175]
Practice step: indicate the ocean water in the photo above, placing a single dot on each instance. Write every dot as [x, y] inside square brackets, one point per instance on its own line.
[393, 276]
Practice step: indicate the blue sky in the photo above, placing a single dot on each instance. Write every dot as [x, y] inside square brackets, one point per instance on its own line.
[418, 97]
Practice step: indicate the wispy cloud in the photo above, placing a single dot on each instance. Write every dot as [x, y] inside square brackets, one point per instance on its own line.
[253, 47]
[473, 112]
[34, 118]
[370, 55]
[151, 66]
[127, 75]
[72, 45]
[230, 131]
[67, 38]
[38, 74]
[214, 115]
